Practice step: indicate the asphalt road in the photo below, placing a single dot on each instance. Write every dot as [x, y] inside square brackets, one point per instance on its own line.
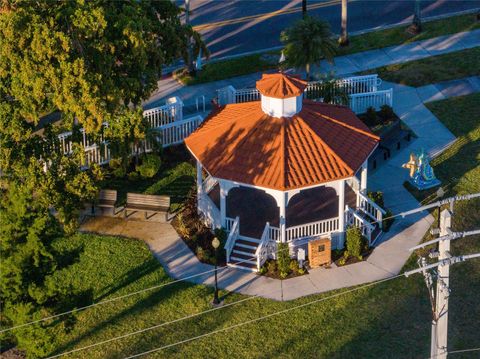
[232, 27]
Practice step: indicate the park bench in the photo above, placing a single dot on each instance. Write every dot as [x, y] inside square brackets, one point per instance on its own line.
[392, 138]
[107, 198]
[147, 203]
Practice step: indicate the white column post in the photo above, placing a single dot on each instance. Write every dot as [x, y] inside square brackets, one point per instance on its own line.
[283, 214]
[199, 182]
[440, 325]
[341, 213]
[223, 202]
[363, 179]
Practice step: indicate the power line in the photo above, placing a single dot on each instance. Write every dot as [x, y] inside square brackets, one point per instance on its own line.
[264, 317]
[402, 214]
[464, 350]
[152, 327]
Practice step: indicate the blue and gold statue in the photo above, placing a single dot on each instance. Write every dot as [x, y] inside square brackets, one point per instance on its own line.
[421, 173]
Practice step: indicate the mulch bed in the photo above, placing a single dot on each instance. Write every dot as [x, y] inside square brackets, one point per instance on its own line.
[338, 255]
[195, 234]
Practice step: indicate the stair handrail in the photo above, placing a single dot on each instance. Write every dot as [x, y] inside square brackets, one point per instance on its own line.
[365, 226]
[232, 237]
[262, 250]
[378, 212]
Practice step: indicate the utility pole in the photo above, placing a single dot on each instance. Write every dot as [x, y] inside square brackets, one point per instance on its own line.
[439, 297]
[438, 347]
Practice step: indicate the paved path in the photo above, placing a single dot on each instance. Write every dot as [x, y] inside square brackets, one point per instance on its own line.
[343, 65]
[387, 259]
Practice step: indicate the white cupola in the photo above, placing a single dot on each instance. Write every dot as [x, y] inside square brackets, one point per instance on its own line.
[282, 95]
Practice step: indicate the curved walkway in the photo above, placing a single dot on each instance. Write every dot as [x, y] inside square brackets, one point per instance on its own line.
[387, 259]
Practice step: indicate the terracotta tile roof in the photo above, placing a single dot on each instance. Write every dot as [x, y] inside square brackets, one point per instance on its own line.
[322, 143]
[280, 85]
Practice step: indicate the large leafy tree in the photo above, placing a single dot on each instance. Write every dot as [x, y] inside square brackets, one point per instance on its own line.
[94, 61]
[307, 42]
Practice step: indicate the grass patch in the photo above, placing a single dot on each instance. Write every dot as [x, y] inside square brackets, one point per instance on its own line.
[215, 71]
[397, 35]
[175, 178]
[432, 69]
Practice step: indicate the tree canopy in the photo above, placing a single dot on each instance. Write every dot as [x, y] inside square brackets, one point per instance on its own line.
[307, 42]
[94, 61]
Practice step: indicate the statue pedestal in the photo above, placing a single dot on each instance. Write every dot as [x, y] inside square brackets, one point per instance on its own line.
[421, 184]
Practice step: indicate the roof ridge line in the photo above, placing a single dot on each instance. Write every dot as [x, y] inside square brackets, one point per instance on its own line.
[332, 152]
[343, 124]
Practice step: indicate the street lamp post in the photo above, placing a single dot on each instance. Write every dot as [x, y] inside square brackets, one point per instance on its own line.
[215, 245]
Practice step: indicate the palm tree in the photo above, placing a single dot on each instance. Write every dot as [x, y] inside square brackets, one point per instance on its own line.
[307, 42]
[343, 41]
[416, 25]
[304, 8]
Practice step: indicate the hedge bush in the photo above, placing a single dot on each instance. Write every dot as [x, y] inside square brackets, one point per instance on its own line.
[150, 166]
[355, 242]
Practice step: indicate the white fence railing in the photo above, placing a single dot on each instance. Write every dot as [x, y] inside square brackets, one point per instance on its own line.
[175, 132]
[325, 226]
[362, 91]
[163, 115]
[209, 211]
[229, 223]
[371, 209]
[274, 233]
[234, 232]
[359, 103]
[355, 219]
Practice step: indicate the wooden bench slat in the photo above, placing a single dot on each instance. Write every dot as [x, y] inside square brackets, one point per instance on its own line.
[147, 203]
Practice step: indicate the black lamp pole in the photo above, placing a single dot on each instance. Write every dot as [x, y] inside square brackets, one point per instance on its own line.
[215, 244]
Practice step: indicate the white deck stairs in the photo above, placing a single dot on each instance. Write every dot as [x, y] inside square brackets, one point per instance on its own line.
[243, 253]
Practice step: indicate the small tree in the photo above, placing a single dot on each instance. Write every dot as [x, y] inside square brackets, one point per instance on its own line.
[355, 242]
[283, 259]
[307, 42]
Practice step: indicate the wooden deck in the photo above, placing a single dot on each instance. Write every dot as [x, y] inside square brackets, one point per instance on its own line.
[255, 207]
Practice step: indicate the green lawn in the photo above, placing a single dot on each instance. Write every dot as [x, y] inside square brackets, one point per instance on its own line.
[215, 71]
[392, 317]
[176, 178]
[432, 69]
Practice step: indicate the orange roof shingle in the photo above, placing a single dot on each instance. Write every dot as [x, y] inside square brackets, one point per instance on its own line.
[280, 85]
[321, 143]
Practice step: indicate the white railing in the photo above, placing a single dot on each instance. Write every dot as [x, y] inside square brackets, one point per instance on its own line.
[274, 233]
[209, 211]
[355, 219]
[371, 209]
[262, 249]
[175, 132]
[96, 154]
[360, 102]
[232, 237]
[209, 183]
[163, 115]
[312, 229]
[348, 85]
[247, 95]
[229, 223]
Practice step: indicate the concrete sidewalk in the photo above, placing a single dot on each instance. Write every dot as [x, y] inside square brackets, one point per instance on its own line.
[343, 65]
[391, 250]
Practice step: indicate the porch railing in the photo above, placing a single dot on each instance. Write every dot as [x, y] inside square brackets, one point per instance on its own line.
[273, 233]
[371, 209]
[163, 115]
[232, 237]
[355, 219]
[247, 95]
[262, 249]
[312, 229]
[229, 222]
[175, 132]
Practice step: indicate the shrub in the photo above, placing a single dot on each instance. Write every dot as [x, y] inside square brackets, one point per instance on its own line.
[182, 226]
[118, 167]
[294, 266]
[221, 234]
[386, 112]
[355, 242]
[150, 166]
[377, 197]
[371, 117]
[283, 259]
[271, 267]
[133, 176]
[387, 223]
[263, 270]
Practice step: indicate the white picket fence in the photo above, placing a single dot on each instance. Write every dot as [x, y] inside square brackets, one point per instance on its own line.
[164, 115]
[362, 91]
